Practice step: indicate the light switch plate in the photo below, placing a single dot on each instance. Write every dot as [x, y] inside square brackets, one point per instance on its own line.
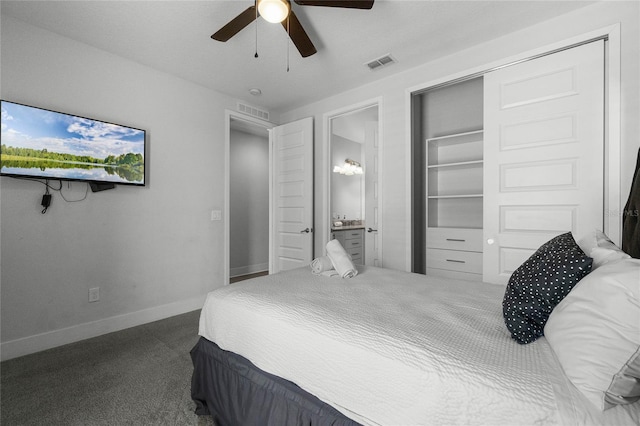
[94, 294]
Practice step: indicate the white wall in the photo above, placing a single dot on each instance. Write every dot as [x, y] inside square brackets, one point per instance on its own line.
[152, 251]
[395, 136]
[249, 203]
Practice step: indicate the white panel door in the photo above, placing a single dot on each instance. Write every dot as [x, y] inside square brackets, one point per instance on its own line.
[544, 143]
[372, 202]
[292, 225]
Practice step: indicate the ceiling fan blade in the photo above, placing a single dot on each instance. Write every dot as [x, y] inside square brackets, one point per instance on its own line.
[350, 4]
[299, 36]
[235, 25]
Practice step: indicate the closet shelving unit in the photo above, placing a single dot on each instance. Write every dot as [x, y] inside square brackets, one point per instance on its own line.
[454, 205]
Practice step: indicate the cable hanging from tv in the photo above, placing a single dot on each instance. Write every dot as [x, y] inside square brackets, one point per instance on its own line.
[46, 198]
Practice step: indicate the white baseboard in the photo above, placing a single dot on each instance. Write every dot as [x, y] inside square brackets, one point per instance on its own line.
[248, 269]
[63, 336]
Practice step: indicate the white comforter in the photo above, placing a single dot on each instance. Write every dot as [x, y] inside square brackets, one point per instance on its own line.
[394, 348]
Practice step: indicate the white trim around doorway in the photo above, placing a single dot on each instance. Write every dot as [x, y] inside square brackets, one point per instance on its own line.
[324, 230]
[229, 116]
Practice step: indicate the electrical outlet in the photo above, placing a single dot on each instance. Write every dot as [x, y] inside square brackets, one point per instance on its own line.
[94, 294]
[216, 215]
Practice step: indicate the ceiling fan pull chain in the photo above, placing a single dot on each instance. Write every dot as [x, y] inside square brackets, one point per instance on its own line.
[256, 6]
[288, 39]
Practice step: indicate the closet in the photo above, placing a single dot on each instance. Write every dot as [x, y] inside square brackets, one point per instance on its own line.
[509, 159]
[454, 205]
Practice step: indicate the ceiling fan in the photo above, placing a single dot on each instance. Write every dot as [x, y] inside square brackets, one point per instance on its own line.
[277, 11]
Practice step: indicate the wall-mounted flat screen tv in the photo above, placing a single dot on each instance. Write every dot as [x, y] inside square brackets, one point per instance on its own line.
[41, 144]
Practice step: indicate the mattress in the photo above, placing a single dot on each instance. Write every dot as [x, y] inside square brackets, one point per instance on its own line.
[389, 347]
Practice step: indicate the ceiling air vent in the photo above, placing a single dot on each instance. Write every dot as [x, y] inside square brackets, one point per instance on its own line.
[380, 62]
[256, 112]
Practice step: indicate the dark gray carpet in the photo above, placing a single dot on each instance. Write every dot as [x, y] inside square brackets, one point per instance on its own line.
[138, 376]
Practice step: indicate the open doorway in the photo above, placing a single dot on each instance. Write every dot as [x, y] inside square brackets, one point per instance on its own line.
[247, 227]
[353, 198]
[269, 199]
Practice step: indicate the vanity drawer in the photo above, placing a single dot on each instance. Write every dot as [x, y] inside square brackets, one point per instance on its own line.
[455, 260]
[356, 255]
[350, 244]
[353, 242]
[455, 239]
[350, 238]
[353, 234]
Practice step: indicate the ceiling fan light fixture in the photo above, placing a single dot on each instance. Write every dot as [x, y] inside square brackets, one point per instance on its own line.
[274, 11]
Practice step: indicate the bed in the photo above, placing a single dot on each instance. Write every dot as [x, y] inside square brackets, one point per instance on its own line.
[387, 347]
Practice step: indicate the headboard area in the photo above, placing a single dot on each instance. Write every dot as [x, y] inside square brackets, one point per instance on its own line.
[631, 217]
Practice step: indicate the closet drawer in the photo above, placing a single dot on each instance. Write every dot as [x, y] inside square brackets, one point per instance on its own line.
[454, 260]
[455, 239]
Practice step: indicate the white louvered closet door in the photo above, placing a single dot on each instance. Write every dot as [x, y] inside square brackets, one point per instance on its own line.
[544, 143]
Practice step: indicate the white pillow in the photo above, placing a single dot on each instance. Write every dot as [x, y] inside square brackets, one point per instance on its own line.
[595, 333]
[601, 249]
[590, 241]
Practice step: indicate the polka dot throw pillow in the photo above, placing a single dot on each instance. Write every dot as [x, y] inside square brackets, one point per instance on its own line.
[540, 283]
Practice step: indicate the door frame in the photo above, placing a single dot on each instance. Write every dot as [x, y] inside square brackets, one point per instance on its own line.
[228, 117]
[613, 113]
[325, 218]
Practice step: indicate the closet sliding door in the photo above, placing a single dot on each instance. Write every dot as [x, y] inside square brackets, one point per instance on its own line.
[543, 154]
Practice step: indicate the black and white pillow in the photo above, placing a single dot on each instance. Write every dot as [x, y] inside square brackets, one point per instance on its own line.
[540, 283]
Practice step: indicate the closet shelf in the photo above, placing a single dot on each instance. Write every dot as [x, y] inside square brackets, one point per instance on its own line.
[460, 149]
[436, 197]
[459, 227]
[455, 135]
[454, 164]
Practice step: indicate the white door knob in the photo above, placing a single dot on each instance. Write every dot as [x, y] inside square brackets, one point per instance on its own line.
[490, 241]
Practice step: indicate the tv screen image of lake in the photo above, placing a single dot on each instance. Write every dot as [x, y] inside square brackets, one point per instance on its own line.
[51, 145]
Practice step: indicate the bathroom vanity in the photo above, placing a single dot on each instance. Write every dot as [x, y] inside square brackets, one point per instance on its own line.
[352, 239]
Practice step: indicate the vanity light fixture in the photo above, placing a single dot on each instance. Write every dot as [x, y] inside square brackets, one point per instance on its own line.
[349, 168]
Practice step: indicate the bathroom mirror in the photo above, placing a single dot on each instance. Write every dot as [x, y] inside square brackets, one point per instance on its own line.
[347, 179]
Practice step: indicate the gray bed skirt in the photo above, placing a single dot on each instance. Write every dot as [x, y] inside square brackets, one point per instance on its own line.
[235, 392]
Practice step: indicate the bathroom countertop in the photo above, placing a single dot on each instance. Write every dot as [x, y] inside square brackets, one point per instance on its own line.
[347, 228]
